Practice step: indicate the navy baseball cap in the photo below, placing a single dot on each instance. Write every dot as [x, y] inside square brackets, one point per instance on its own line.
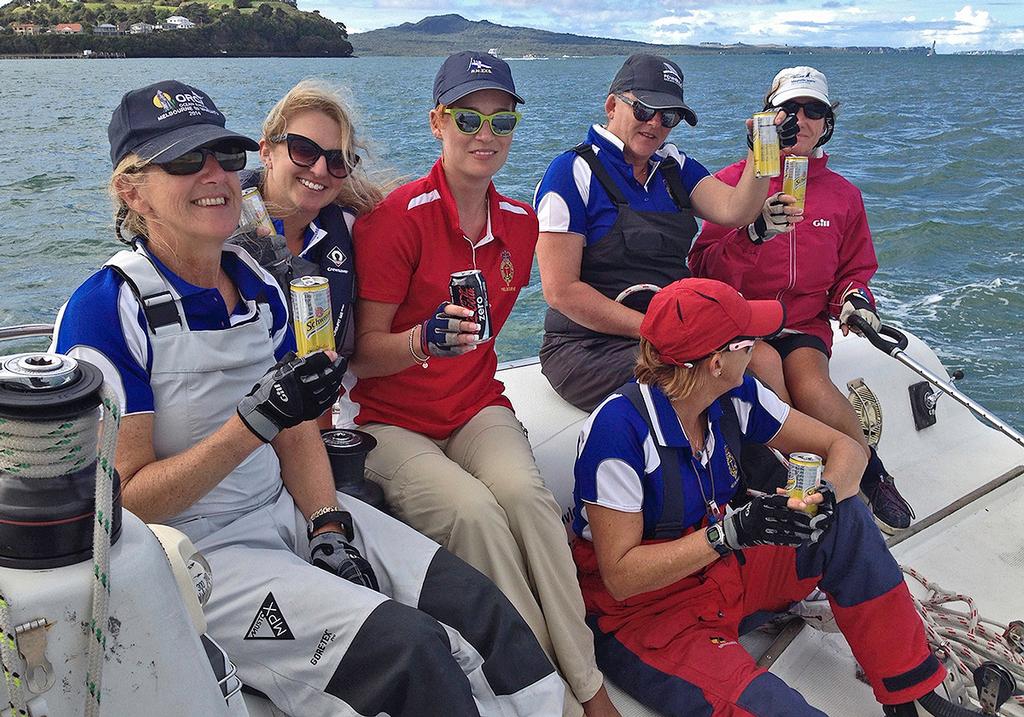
[467, 72]
[162, 121]
[655, 81]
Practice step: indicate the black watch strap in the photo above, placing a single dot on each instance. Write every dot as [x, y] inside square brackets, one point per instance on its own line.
[336, 515]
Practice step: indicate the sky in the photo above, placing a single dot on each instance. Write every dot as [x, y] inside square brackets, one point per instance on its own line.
[952, 25]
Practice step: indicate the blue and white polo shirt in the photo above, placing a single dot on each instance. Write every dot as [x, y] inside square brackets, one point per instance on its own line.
[618, 467]
[103, 323]
[570, 199]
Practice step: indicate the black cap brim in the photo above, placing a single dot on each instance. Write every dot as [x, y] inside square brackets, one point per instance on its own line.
[459, 91]
[665, 101]
[170, 146]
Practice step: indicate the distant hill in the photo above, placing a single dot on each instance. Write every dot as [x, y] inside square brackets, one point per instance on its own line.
[440, 35]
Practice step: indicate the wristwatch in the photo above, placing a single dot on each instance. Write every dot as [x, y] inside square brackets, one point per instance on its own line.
[330, 514]
[716, 539]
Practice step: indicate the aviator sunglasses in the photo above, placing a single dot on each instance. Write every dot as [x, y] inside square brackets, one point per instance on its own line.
[304, 152]
[502, 123]
[230, 157]
[814, 109]
[669, 118]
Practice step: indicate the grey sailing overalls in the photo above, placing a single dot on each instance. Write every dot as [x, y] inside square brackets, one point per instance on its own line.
[313, 643]
[641, 247]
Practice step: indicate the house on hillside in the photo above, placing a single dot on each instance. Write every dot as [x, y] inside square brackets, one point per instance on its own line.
[105, 29]
[177, 22]
[68, 28]
[140, 28]
[26, 28]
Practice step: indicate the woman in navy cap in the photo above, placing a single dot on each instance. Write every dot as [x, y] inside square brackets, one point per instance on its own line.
[452, 458]
[183, 326]
[617, 215]
[669, 573]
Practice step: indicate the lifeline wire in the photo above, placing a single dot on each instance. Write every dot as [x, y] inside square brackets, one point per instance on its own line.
[966, 639]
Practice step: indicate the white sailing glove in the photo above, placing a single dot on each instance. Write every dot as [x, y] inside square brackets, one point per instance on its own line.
[773, 220]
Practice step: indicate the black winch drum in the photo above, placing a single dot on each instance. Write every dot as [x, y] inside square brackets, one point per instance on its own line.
[347, 451]
[48, 522]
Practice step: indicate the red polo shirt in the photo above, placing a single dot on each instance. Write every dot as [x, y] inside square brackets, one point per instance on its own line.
[406, 249]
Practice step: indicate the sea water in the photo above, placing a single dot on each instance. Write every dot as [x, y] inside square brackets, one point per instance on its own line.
[935, 145]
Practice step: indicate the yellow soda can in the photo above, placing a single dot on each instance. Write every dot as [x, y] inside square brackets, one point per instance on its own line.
[794, 179]
[804, 477]
[766, 145]
[311, 311]
[254, 216]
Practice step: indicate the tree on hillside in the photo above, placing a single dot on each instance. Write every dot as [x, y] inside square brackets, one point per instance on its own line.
[197, 12]
[241, 3]
[265, 10]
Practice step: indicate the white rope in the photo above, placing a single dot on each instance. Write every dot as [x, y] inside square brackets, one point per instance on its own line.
[101, 551]
[964, 639]
[49, 450]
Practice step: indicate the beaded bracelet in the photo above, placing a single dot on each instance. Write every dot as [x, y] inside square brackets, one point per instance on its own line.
[421, 360]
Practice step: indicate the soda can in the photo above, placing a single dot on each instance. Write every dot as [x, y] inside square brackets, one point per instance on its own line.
[469, 290]
[766, 145]
[311, 312]
[804, 477]
[794, 179]
[254, 217]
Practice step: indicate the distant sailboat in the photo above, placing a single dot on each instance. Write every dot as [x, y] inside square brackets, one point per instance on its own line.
[931, 50]
[493, 52]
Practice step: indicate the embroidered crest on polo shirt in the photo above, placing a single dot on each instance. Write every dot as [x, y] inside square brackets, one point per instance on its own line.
[478, 66]
[508, 269]
[337, 256]
[669, 74]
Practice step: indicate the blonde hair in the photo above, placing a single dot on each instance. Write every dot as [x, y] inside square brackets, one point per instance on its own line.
[127, 171]
[358, 191]
[676, 382]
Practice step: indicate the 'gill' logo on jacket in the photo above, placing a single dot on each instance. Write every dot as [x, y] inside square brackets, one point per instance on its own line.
[820, 223]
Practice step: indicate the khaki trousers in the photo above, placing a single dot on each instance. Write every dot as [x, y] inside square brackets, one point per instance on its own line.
[479, 493]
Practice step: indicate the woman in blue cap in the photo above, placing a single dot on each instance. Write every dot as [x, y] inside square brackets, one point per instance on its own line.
[183, 326]
[452, 458]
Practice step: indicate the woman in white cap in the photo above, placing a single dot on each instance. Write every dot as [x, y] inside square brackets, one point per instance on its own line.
[182, 327]
[827, 278]
[451, 456]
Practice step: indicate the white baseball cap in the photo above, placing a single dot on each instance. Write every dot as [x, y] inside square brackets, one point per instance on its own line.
[798, 82]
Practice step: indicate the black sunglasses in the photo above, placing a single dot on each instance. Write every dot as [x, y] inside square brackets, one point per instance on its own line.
[230, 157]
[304, 152]
[814, 109]
[643, 113]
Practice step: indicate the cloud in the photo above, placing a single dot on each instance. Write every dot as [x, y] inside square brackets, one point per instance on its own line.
[968, 28]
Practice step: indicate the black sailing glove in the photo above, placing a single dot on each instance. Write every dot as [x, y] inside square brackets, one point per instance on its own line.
[292, 391]
[766, 520]
[330, 551]
[788, 131]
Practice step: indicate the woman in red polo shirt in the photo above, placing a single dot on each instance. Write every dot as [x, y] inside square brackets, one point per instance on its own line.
[452, 458]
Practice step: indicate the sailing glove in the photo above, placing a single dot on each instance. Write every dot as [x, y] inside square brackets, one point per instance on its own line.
[773, 220]
[331, 552]
[766, 520]
[788, 131]
[439, 334]
[855, 303]
[292, 391]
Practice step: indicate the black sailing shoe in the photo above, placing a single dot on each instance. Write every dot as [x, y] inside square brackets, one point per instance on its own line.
[891, 510]
[926, 706]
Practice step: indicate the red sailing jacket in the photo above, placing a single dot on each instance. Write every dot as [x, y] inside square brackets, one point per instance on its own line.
[809, 269]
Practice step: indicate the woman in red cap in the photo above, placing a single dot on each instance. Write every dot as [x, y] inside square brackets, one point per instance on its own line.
[826, 278]
[668, 574]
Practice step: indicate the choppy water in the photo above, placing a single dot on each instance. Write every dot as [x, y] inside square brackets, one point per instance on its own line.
[935, 144]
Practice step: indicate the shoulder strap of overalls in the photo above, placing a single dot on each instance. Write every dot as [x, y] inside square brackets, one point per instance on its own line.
[158, 299]
[670, 522]
[669, 169]
[587, 153]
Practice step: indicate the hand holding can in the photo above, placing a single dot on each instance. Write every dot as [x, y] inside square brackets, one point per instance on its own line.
[450, 331]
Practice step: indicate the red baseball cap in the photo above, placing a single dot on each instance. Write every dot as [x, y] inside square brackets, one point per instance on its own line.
[692, 318]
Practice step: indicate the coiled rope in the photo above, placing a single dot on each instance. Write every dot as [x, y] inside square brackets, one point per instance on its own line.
[964, 639]
[49, 450]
